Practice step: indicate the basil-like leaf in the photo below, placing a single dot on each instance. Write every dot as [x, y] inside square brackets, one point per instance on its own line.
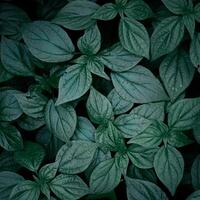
[194, 49]
[138, 85]
[195, 173]
[189, 22]
[134, 37]
[122, 161]
[48, 42]
[105, 177]
[60, 120]
[197, 12]
[76, 15]
[144, 190]
[74, 83]
[194, 196]
[169, 167]
[4, 74]
[166, 36]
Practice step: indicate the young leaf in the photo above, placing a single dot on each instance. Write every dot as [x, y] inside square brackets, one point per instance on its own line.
[60, 120]
[76, 15]
[78, 157]
[122, 161]
[169, 167]
[166, 36]
[98, 107]
[68, 187]
[194, 49]
[138, 10]
[48, 42]
[10, 137]
[74, 83]
[134, 37]
[31, 156]
[90, 42]
[184, 113]
[176, 72]
[105, 177]
[138, 85]
[118, 59]
[144, 190]
[106, 12]
[195, 173]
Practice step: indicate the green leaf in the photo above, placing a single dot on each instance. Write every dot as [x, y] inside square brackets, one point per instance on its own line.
[119, 104]
[166, 36]
[152, 136]
[176, 72]
[68, 187]
[189, 22]
[4, 74]
[121, 2]
[78, 157]
[144, 190]
[131, 125]
[118, 59]
[184, 113]
[16, 58]
[90, 42]
[197, 12]
[32, 103]
[76, 15]
[196, 134]
[152, 111]
[134, 37]
[60, 120]
[195, 173]
[8, 180]
[10, 137]
[194, 196]
[194, 49]
[169, 167]
[25, 190]
[138, 10]
[98, 107]
[84, 130]
[138, 85]
[48, 42]
[31, 156]
[142, 157]
[74, 83]
[122, 161]
[105, 177]
[9, 107]
[106, 12]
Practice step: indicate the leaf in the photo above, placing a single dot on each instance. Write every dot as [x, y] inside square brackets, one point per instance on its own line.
[10, 137]
[144, 190]
[84, 130]
[152, 136]
[48, 42]
[134, 37]
[98, 107]
[196, 134]
[197, 12]
[32, 103]
[60, 120]
[176, 72]
[74, 84]
[4, 74]
[194, 49]
[142, 157]
[152, 111]
[76, 15]
[68, 187]
[90, 42]
[169, 167]
[78, 157]
[194, 196]
[9, 107]
[138, 10]
[119, 104]
[166, 36]
[189, 22]
[195, 173]
[106, 12]
[138, 85]
[184, 113]
[105, 177]
[8, 180]
[122, 161]
[31, 156]
[15, 58]
[131, 125]
[118, 59]
[25, 190]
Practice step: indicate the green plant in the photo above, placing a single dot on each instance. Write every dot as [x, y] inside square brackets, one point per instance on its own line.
[97, 96]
